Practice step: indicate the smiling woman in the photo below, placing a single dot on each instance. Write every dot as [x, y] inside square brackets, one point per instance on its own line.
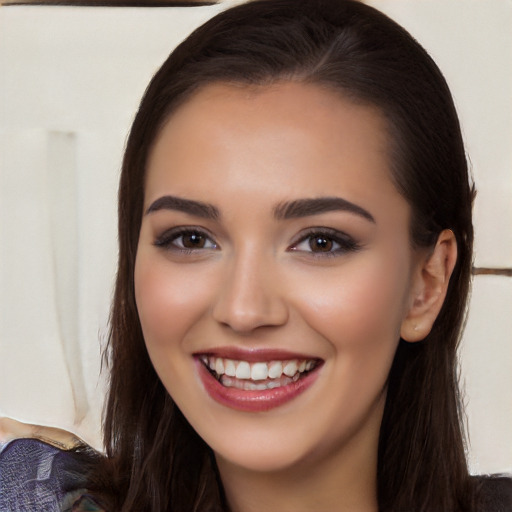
[295, 251]
[305, 272]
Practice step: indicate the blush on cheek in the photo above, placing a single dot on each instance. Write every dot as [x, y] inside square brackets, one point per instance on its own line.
[363, 307]
[168, 301]
[153, 298]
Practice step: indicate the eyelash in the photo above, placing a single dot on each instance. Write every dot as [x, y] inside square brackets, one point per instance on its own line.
[344, 242]
[168, 240]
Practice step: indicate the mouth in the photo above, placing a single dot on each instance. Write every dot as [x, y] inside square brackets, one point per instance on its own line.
[256, 385]
[257, 376]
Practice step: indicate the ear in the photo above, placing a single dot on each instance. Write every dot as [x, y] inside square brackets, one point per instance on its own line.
[428, 287]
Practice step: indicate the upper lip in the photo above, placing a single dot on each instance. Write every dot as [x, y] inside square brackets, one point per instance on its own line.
[254, 355]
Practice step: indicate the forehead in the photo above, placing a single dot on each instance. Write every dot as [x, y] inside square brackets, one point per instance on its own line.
[285, 139]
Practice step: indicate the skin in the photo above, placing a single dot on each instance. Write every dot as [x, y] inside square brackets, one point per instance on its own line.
[258, 283]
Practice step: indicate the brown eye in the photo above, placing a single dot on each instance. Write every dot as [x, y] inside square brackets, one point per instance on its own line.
[193, 241]
[324, 242]
[320, 244]
[187, 240]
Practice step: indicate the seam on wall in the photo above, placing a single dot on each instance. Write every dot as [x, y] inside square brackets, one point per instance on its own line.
[487, 271]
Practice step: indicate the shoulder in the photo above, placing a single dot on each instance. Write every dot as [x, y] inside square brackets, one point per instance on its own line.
[494, 493]
[38, 474]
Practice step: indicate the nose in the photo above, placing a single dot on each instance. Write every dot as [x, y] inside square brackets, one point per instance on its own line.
[250, 296]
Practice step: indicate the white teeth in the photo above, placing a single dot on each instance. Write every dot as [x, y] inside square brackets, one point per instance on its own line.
[259, 371]
[230, 368]
[249, 385]
[243, 370]
[290, 369]
[219, 366]
[275, 370]
[271, 371]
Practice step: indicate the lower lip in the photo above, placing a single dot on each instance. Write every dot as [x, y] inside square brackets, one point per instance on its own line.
[253, 401]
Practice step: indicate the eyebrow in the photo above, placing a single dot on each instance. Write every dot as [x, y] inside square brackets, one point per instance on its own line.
[287, 210]
[196, 208]
[316, 206]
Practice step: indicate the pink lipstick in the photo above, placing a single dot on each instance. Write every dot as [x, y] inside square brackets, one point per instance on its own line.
[255, 381]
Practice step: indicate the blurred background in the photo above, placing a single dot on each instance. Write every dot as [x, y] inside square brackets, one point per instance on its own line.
[71, 78]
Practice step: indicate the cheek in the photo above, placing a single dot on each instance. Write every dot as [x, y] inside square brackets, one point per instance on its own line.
[169, 302]
[359, 309]
[359, 316]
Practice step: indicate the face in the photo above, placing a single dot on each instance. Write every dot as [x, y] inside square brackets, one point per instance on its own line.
[273, 272]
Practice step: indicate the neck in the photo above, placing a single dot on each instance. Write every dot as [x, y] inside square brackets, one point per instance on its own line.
[344, 480]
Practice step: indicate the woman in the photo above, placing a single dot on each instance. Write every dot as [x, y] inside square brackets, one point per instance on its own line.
[295, 251]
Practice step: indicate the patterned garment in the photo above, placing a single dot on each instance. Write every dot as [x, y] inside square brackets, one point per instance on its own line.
[36, 476]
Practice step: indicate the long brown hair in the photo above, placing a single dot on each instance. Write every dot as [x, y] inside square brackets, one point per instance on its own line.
[156, 460]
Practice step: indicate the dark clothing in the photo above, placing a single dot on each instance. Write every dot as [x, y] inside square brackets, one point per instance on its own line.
[495, 494]
[36, 476]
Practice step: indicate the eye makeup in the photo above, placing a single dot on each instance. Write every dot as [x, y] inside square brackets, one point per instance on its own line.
[324, 242]
[186, 239]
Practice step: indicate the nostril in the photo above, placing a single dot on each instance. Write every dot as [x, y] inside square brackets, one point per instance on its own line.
[241, 321]
[250, 295]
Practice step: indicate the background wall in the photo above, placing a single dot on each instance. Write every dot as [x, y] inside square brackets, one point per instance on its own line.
[70, 82]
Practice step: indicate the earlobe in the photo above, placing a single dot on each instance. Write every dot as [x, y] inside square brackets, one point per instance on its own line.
[428, 288]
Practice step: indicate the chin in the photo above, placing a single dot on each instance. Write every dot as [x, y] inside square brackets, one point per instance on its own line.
[254, 459]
